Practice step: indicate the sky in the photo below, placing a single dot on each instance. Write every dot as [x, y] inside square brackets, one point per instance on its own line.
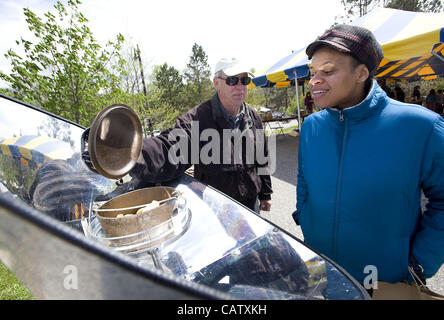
[257, 32]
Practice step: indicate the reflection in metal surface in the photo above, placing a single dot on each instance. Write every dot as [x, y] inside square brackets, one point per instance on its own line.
[35, 150]
[211, 247]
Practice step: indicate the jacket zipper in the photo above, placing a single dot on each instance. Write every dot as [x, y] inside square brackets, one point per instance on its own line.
[341, 115]
[339, 185]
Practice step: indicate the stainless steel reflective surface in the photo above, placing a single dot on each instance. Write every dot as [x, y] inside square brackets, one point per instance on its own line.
[215, 247]
[56, 262]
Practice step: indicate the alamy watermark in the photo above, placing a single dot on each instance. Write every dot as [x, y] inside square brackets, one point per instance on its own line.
[371, 280]
[71, 280]
[187, 147]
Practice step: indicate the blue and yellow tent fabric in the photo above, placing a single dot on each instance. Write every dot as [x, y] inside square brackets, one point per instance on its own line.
[35, 150]
[426, 67]
[412, 43]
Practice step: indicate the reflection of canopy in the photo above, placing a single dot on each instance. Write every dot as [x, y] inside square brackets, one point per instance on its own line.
[37, 149]
[407, 39]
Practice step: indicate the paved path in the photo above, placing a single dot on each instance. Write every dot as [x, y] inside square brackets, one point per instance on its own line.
[284, 182]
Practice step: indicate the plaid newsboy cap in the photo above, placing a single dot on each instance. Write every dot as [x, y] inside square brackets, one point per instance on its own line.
[356, 41]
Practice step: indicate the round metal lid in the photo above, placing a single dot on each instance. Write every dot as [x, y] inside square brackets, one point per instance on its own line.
[115, 141]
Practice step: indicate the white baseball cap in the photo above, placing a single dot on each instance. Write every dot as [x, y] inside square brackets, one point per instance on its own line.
[231, 68]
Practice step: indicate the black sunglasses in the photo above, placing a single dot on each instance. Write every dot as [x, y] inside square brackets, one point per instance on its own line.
[232, 80]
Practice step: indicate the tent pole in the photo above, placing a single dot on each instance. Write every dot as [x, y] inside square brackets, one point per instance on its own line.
[297, 99]
[438, 56]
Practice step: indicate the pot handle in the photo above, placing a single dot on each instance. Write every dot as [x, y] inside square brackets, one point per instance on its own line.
[84, 150]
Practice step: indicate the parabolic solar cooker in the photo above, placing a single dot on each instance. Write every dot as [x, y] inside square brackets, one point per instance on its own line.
[179, 239]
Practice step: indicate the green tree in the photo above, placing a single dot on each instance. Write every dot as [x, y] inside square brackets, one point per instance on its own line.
[133, 78]
[166, 97]
[256, 97]
[198, 74]
[415, 5]
[358, 8]
[355, 8]
[169, 82]
[66, 71]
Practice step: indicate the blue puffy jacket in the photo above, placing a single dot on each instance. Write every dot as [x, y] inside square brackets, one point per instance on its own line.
[361, 172]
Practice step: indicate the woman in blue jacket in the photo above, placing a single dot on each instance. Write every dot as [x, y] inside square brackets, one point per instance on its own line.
[363, 163]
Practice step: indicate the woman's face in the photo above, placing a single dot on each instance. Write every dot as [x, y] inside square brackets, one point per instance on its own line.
[337, 80]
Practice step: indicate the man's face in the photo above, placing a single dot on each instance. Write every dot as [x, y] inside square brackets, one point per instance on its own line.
[336, 79]
[231, 96]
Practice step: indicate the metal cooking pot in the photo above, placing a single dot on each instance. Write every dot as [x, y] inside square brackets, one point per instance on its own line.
[131, 222]
[111, 147]
[134, 232]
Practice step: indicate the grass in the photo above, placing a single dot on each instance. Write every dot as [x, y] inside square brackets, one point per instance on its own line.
[276, 131]
[287, 130]
[10, 287]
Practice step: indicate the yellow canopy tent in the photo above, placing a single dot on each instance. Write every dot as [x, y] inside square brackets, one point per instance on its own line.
[422, 64]
[35, 150]
[408, 39]
[412, 43]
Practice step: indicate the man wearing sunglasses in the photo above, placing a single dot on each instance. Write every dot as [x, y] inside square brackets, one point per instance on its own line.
[245, 180]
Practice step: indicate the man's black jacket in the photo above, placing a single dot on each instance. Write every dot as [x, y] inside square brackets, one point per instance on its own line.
[237, 178]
